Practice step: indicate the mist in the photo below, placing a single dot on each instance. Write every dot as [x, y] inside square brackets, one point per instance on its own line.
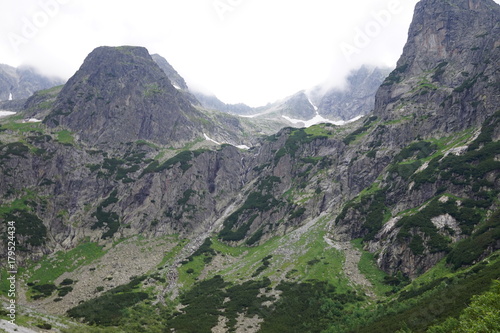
[246, 51]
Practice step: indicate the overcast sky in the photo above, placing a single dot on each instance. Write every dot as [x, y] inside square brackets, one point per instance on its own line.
[250, 51]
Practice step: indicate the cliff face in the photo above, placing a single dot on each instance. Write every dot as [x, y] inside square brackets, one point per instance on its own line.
[439, 105]
[447, 73]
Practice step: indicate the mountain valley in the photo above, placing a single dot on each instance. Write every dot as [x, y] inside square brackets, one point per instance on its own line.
[141, 206]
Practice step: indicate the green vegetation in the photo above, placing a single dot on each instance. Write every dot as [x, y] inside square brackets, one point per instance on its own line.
[307, 307]
[301, 307]
[185, 198]
[16, 149]
[471, 249]
[152, 89]
[255, 202]
[482, 315]
[65, 137]
[372, 209]
[423, 303]
[299, 137]
[111, 220]
[363, 129]
[14, 125]
[439, 70]
[48, 269]
[29, 227]
[395, 75]
[421, 221]
[182, 159]
[368, 267]
[467, 84]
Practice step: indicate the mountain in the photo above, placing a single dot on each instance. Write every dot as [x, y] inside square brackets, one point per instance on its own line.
[22, 82]
[356, 99]
[332, 104]
[121, 95]
[386, 224]
[444, 88]
[319, 105]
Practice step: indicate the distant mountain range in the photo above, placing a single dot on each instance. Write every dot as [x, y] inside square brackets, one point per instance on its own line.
[332, 104]
[22, 82]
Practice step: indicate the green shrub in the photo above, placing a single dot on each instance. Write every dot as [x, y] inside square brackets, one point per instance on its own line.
[109, 308]
[186, 196]
[111, 220]
[28, 225]
[256, 201]
[366, 126]
[64, 291]
[469, 250]
[255, 237]
[43, 290]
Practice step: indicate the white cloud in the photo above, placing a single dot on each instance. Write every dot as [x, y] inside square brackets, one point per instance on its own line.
[252, 51]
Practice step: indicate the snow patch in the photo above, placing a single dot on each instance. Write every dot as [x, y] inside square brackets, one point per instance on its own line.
[252, 115]
[6, 113]
[318, 119]
[177, 87]
[10, 97]
[211, 140]
[32, 120]
[245, 147]
[314, 106]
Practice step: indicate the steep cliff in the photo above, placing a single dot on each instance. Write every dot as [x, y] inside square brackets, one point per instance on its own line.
[439, 104]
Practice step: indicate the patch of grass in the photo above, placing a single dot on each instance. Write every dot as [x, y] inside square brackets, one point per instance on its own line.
[367, 124]
[65, 137]
[51, 267]
[22, 128]
[370, 270]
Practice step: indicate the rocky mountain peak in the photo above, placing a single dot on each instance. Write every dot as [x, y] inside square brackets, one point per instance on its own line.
[449, 62]
[121, 95]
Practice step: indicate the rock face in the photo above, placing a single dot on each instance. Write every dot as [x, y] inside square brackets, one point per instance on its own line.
[446, 82]
[449, 66]
[22, 82]
[121, 95]
[174, 77]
